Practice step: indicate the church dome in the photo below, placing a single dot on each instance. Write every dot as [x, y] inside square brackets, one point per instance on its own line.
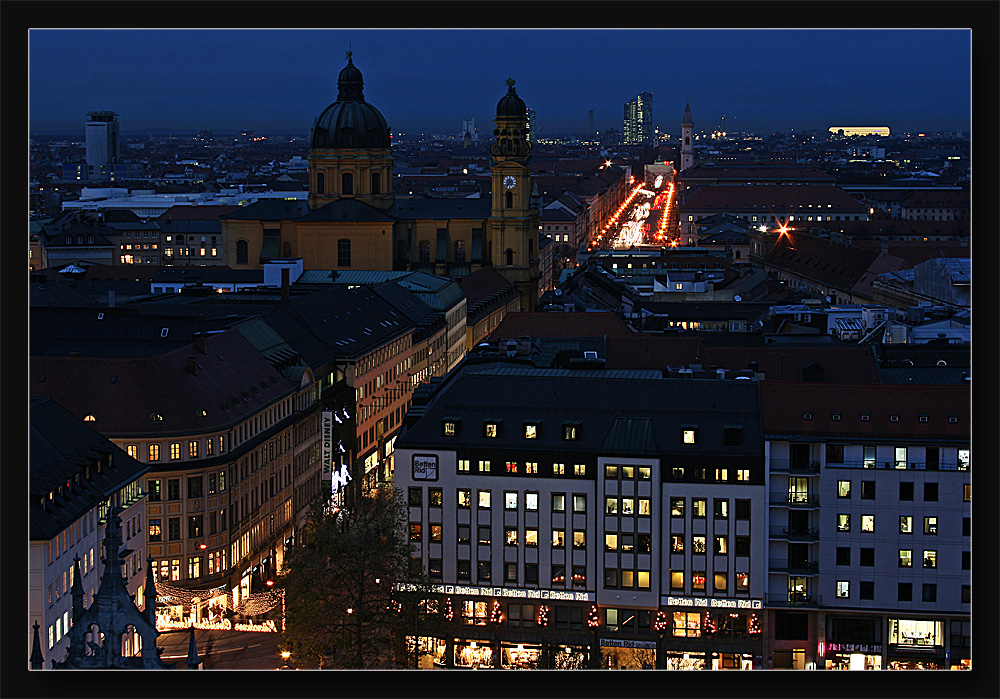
[350, 122]
[510, 105]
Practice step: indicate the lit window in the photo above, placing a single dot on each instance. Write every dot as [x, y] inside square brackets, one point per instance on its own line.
[484, 466]
[558, 469]
[175, 450]
[867, 523]
[491, 430]
[484, 498]
[530, 431]
[930, 525]
[463, 465]
[843, 523]
[905, 524]
[689, 436]
[511, 467]
[531, 502]
[905, 558]
[531, 467]
[510, 500]
[569, 432]
[449, 428]
[843, 489]
[580, 469]
[843, 588]
[930, 559]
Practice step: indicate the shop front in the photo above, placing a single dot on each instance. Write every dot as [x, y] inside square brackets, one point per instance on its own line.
[710, 634]
[626, 654]
[520, 656]
[916, 644]
[473, 654]
[853, 643]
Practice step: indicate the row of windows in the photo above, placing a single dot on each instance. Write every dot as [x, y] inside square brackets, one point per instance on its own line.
[904, 591]
[731, 435]
[906, 491]
[347, 183]
[866, 558]
[718, 475]
[195, 486]
[906, 525]
[177, 450]
[720, 544]
[699, 580]
[195, 529]
[699, 508]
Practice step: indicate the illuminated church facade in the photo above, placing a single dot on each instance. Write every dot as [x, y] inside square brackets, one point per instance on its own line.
[353, 220]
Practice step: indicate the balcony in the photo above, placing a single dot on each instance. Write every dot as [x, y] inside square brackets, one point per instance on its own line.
[794, 534]
[794, 599]
[793, 466]
[793, 567]
[899, 465]
[796, 499]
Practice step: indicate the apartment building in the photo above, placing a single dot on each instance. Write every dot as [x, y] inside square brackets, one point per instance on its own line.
[585, 517]
[76, 477]
[869, 525]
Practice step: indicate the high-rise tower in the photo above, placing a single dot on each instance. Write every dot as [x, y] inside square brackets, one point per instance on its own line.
[102, 142]
[513, 226]
[687, 145]
[638, 121]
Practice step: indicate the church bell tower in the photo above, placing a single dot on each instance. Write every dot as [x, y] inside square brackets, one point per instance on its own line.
[513, 225]
[687, 145]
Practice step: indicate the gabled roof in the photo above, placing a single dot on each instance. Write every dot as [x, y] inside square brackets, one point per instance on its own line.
[60, 447]
[347, 210]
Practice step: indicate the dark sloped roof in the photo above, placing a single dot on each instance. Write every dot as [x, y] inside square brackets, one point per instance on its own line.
[630, 436]
[269, 210]
[560, 325]
[347, 210]
[61, 446]
[124, 392]
[414, 208]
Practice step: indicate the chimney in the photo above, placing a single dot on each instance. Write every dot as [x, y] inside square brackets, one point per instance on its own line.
[284, 284]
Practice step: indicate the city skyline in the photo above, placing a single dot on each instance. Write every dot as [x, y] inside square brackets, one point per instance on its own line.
[432, 80]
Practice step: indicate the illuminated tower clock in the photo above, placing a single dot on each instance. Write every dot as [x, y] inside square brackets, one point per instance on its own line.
[512, 245]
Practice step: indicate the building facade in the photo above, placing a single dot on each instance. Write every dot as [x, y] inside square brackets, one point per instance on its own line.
[584, 518]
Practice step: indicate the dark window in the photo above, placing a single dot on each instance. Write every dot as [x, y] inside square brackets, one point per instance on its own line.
[153, 489]
[742, 509]
[320, 183]
[867, 589]
[966, 593]
[459, 251]
[904, 592]
[401, 250]
[242, 252]
[966, 526]
[843, 556]
[344, 252]
[483, 571]
[867, 490]
[906, 491]
[174, 489]
[930, 592]
[174, 528]
[464, 570]
[743, 546]
[791, 626]
[415, 496]
[930, 492]
[509, 256]
[195, 486]
[347, 183]
[732, 436]
[376, 183]
[835, 453]
[966, 560]
[531, 573]
[867, 557]
[195, 529]
[434, 568]
[425, 251]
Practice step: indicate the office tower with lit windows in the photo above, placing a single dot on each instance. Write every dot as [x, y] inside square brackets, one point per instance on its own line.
[638, 122]
[532, 134]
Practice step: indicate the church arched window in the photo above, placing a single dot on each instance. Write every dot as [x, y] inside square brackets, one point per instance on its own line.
[508, 256]
[347, 183]
[376, 183]
[510, 200]
[242, 252]
[320, 183]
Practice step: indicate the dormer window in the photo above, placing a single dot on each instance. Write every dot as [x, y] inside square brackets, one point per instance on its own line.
[90, 418]
[689, 434]
[156, 417]
[449, 428]
[571, 432]
[491, 429]
[530, 430]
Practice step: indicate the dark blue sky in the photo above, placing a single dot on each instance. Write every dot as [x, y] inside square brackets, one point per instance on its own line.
[430, 80]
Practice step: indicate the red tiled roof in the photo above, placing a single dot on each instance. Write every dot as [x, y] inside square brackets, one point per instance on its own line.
[651, 352]
[596, 324]
[784, 404]
[772, 197]
[847, 364]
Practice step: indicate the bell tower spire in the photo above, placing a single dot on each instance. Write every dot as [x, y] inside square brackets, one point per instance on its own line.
[513, 227]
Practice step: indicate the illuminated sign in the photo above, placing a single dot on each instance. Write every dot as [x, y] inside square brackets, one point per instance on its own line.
[625, 643]
[425, 467]
[716, 603]
[500, 592]
[339, 479]
[327, 443]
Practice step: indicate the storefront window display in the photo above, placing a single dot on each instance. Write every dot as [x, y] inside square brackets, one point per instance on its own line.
[520, 656]
[732, 661]
[916, 634]
[473, 654]
[431, 651]
[569, 658]
[684, 661]
[853, 661]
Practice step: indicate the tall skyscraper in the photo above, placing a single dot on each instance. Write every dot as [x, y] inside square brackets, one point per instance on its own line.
[638, 123]
[102, 141]
[532, 133]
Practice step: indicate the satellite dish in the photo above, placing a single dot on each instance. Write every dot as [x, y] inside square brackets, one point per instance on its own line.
[737, 298]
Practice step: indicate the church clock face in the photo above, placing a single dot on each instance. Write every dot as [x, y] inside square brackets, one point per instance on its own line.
[509, 181]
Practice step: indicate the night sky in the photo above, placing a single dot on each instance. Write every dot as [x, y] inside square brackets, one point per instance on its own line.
[431, 80]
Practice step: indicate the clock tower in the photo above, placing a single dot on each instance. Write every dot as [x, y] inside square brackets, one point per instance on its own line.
[512, 245]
